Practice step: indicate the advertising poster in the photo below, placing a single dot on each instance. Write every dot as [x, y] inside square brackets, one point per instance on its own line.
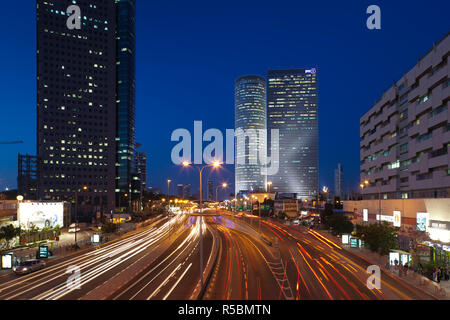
[41, 215]
[422, 221]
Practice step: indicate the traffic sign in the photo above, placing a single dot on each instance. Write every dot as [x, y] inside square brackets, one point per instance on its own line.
[43, 252]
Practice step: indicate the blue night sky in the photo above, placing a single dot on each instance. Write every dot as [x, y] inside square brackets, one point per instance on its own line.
[190, 52]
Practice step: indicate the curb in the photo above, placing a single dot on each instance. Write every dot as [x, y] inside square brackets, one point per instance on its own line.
[200, 291]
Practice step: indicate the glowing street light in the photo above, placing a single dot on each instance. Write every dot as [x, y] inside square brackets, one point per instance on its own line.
[215, 164]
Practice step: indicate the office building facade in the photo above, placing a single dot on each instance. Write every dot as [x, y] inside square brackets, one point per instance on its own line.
[126, 170]
[339, 181]
[187, 191]
[405, 136]
[250, 118]
[76, 102]
[141, 168]
[292, 98]
[180, 188]
[28, 177]
[210, 190]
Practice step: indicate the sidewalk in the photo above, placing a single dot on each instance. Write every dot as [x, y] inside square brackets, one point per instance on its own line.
[440, 291]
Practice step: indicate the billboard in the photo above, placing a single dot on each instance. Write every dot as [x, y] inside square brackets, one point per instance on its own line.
[422, 221]
[41, 214]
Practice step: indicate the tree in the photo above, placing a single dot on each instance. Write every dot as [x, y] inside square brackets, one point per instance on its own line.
[109, 227]
[328, 211]
[8, 233]
[380, 238]
[339, 224]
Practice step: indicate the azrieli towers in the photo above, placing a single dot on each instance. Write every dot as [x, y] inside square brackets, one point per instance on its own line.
[289, 104]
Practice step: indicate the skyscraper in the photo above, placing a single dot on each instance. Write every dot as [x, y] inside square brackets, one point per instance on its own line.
[250, 117]
[141, 168]
[126, 103]
[180, 188]
[187, 191]
[339, 181]
[76, 102]
[210, 190]
[293, 110]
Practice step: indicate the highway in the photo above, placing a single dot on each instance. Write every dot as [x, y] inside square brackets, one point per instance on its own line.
[251, 259]
[176, 274]
[316, 268]
[96, 266]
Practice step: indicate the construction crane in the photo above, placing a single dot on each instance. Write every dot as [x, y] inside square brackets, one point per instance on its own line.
[11, 142]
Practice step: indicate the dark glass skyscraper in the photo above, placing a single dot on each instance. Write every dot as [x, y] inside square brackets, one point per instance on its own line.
[250, 114]
[293, 110]
[126, 103]
[76, 102]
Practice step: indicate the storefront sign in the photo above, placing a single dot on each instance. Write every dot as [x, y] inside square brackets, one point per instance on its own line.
[365, 215]
[397, 219]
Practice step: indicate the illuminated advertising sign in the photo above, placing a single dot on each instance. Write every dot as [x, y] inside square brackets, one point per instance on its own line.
[95, 239]
[385, 218]
[422, 221]
[353, 242]
[365, 215]
[345, 238]
[41, 214]
[397, 219]
[7, 261]
[311, 71]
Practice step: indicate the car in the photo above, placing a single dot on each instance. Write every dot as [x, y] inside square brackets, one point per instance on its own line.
[29, 266]
[40, 218]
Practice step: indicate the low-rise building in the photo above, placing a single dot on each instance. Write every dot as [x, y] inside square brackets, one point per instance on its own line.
[287, 206]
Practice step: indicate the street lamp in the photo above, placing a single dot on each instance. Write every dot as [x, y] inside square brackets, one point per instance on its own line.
[269, 184]
[168, 195]
[76, 213]
[215, 164]
[325, 190]
[365, 184]
[224, 185]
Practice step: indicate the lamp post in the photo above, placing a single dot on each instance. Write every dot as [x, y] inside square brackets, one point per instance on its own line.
[76, 214]
[215, 164]
[19, 199]
[168, 195]
[365, 184]
[224, 186]
[269, 184]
